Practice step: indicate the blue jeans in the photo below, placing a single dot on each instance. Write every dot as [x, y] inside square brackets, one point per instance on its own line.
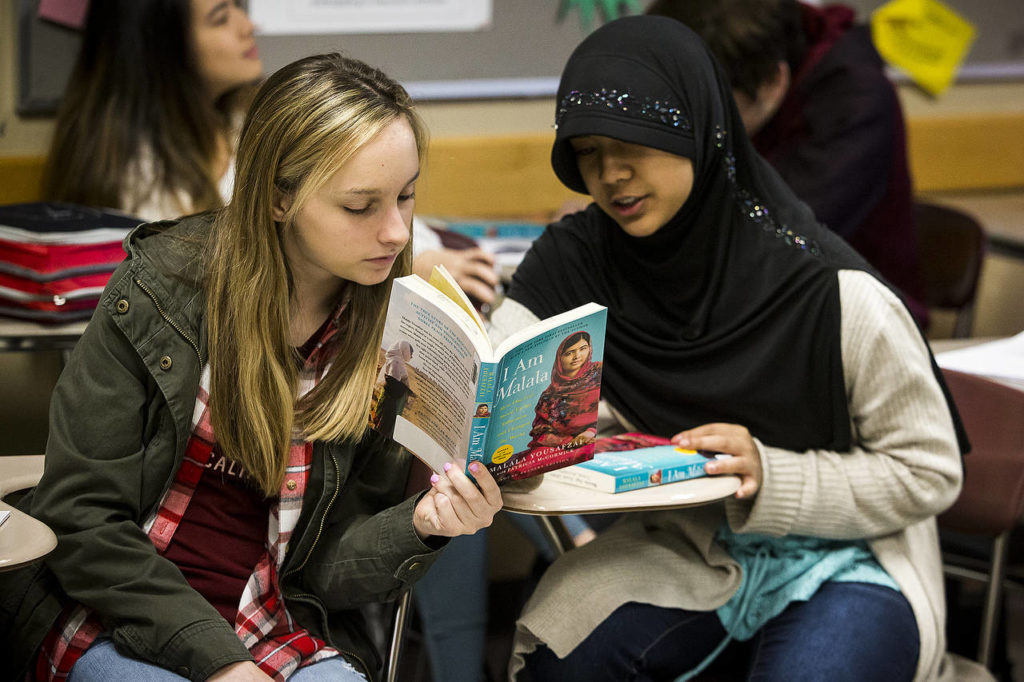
[452, 602]
[102, 663]
[846, 632]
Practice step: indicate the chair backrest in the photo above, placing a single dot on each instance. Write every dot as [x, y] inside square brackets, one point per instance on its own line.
[952, 248]
[992, 499]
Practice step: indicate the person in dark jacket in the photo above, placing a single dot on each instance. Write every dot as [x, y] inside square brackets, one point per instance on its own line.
[222, 510]
[815, 100]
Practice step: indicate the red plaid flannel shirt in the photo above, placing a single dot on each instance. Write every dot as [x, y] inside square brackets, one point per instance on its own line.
[277, 643]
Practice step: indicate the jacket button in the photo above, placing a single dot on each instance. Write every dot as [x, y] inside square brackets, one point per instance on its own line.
[165, 362]
[292, 485]
[122, 306]
[184, 670]
[414, 566]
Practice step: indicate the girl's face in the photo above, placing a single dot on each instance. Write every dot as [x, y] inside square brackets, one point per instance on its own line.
[573, 357]
[355, 225]
[640, 187]
[226, 51]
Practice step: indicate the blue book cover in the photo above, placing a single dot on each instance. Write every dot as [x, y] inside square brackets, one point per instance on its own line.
[616, 472]
[546, 388]
[527, 406]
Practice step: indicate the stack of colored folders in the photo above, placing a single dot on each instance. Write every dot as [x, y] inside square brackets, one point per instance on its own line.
[55, 259]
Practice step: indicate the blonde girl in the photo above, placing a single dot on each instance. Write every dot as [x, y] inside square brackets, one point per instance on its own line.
[221, 510]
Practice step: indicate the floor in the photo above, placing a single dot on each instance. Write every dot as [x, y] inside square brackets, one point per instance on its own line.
[1015, 633]
[506, 597]
[965, 600]
[1008, 663]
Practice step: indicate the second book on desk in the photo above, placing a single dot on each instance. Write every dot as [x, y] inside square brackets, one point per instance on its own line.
[632, 461]
[524, 407]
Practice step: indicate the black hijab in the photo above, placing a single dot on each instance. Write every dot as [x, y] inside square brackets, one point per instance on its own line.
[729, 312]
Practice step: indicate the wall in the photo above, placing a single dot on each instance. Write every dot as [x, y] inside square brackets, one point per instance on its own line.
[17, 136]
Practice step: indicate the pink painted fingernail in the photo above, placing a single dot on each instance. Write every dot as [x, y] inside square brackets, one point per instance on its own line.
[447, 467]
[434, 478]
[475, 467]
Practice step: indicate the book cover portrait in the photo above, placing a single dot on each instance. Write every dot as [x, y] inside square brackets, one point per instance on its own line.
[546, 402]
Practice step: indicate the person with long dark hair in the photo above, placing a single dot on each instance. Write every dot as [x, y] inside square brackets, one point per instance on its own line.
[149, 120]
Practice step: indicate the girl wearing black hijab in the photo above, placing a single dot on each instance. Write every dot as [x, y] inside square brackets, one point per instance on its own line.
[738, 324]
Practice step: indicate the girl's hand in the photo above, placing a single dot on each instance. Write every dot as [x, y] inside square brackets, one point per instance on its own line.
[243, 671]
[731, 439]
[454, 505]
[472, 268]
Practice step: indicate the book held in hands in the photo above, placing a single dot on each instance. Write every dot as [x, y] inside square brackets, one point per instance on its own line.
[522, 408]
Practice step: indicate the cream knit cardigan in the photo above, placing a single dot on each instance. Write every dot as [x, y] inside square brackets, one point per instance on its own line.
[903, 469]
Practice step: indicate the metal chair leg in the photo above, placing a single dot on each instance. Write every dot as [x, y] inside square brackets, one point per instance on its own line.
[556, 540]
[397, 637]
[993, 599]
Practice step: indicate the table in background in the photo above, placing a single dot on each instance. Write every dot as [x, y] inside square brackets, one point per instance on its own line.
[1000, 213]
[1008, 372]
[23, 335]
[16, 335]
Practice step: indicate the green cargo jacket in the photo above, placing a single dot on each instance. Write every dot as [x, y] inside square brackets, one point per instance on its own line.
[120, 419]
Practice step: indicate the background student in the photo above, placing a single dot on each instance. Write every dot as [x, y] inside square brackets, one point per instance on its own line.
[222, 510]
[817, 104]
[149, 120]
[737, 324]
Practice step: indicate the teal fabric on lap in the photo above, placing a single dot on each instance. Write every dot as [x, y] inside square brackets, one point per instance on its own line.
[778, 571]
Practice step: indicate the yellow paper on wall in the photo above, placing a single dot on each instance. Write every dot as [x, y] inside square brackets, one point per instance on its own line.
[925, 38]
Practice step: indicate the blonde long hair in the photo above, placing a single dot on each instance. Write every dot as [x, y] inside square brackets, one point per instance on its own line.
[305, 122]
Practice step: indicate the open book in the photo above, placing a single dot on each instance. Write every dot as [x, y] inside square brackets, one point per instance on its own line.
[523, 408]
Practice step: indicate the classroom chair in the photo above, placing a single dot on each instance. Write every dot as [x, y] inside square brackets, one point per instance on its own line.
[952, 248]
[991, 502]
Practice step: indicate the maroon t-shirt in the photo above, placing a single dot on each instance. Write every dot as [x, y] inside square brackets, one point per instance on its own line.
[228, 513]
